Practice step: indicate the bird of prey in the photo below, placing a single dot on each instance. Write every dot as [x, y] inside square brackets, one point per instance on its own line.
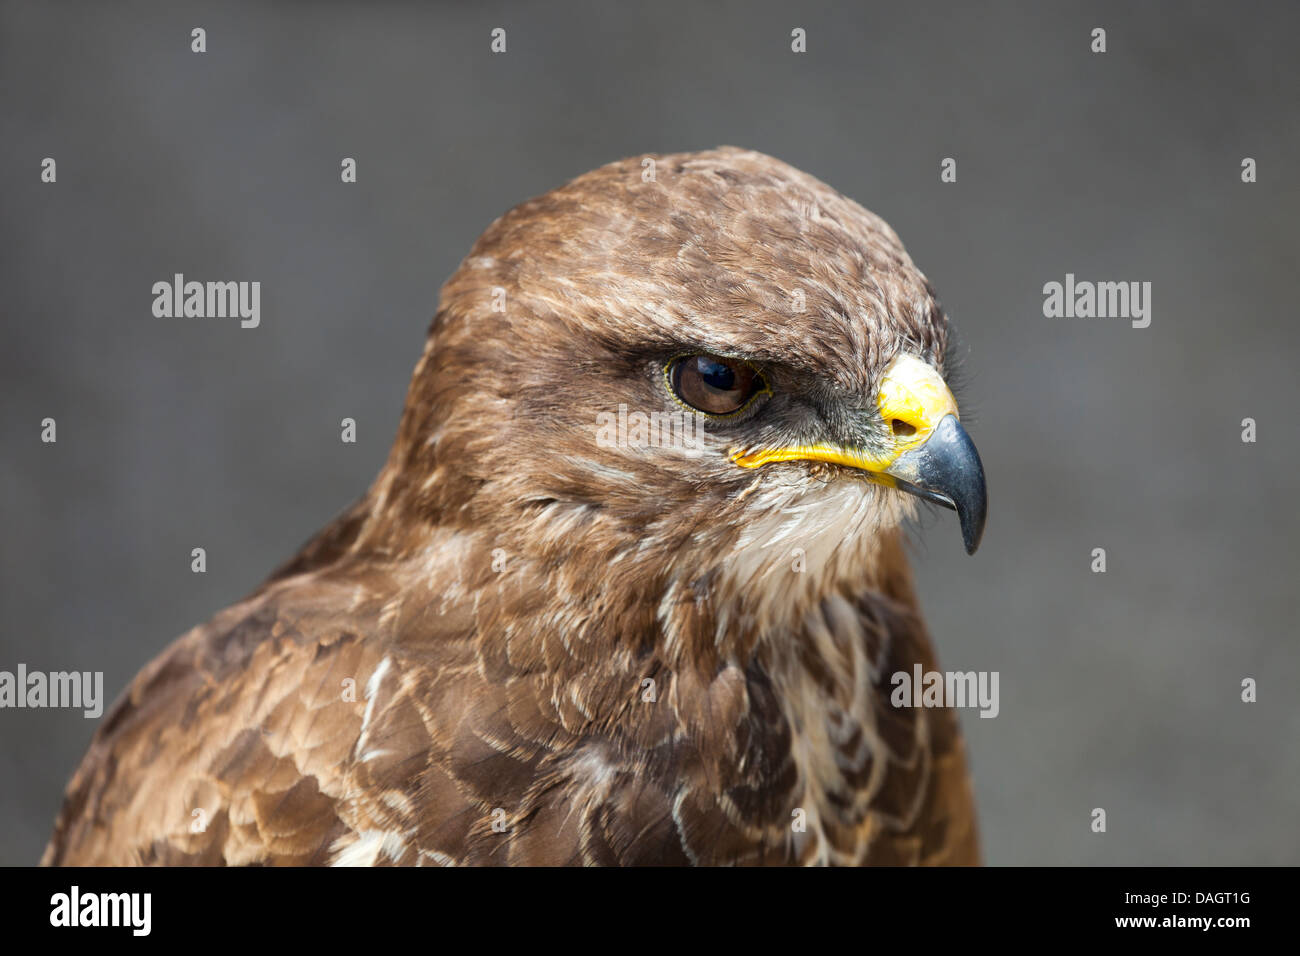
[528, 645]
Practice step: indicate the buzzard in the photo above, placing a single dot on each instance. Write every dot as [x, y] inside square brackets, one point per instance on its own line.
[528, 645]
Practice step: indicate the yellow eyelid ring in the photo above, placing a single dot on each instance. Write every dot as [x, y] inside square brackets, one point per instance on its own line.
[930, 455]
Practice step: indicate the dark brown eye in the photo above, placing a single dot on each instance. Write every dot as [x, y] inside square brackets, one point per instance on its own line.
[715, 385]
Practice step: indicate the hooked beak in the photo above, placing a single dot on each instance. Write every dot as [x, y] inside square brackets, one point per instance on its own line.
[931, 455]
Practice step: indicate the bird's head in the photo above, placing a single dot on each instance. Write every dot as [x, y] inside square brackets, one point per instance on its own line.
[710, 358]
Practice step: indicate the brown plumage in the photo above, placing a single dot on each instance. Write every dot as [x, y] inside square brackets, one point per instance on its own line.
[508, 589]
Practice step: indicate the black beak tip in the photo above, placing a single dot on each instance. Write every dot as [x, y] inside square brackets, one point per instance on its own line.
[972, 529]
[966, 484]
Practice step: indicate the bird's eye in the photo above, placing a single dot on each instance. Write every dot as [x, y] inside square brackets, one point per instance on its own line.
[718, 386]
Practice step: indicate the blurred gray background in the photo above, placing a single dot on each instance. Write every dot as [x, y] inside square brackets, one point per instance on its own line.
[1118, 690]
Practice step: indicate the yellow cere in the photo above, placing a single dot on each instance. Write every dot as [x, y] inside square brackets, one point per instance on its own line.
[911, 392]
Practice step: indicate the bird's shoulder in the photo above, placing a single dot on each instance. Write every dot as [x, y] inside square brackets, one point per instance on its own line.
[231, 746]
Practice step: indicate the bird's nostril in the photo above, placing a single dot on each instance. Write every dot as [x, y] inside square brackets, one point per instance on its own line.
[901, 428]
